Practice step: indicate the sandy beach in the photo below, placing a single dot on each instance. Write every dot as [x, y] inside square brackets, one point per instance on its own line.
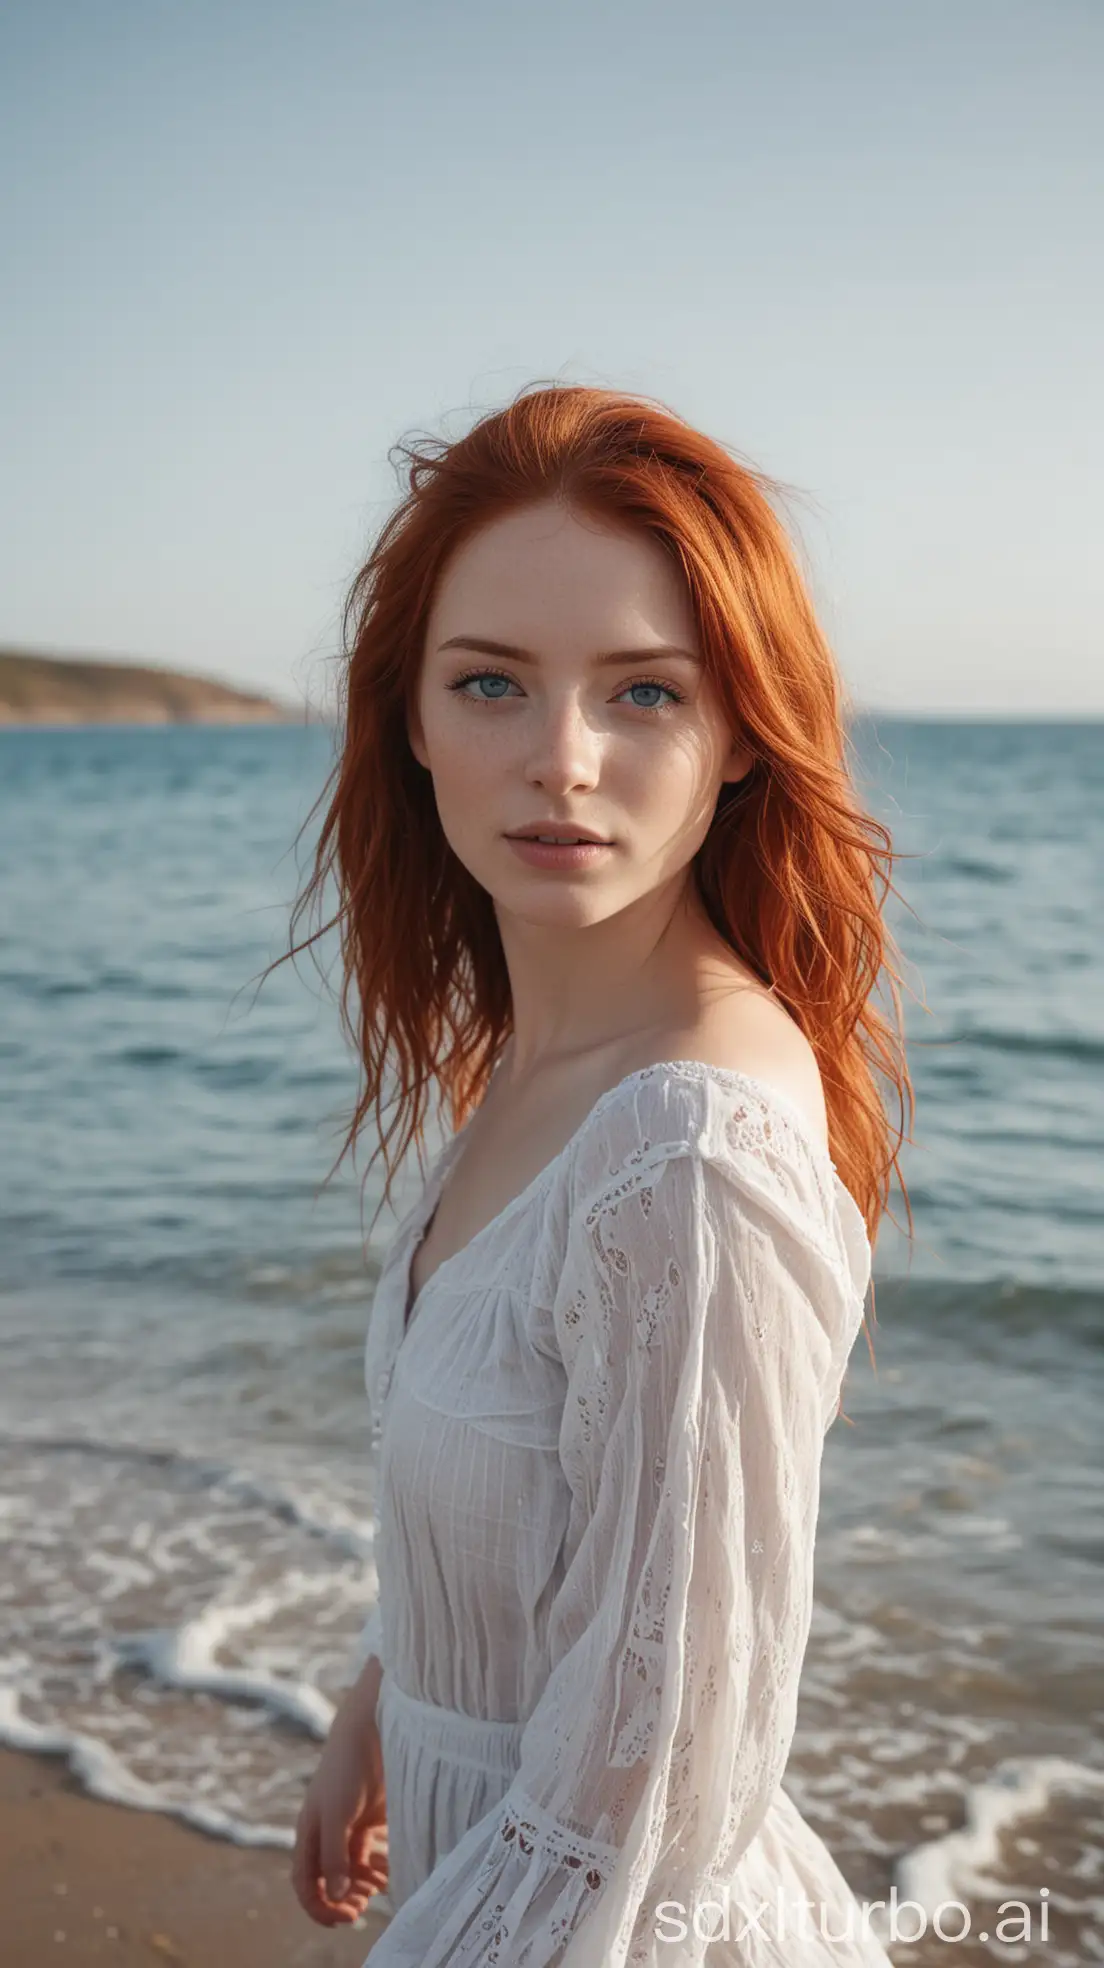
[84, 1881]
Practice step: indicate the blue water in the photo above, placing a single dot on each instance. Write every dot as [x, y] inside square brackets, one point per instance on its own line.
[185, 1476]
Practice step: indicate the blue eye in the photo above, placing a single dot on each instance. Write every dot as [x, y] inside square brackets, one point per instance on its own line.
[481, 676]
[649, 686]
[497, 676]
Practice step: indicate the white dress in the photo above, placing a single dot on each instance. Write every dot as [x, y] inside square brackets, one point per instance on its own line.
[599, 1441]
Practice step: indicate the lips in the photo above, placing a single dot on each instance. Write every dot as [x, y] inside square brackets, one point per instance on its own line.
[560, 837]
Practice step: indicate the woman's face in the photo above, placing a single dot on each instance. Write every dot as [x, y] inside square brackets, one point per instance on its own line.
[562, 683]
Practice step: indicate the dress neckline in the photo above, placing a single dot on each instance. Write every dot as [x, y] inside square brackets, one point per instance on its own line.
[764, 1089]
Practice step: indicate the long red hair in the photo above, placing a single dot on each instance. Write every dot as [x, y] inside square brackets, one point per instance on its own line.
[793, 873]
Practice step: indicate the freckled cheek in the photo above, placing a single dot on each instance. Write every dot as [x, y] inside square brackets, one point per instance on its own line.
[471, 781]
[461, 760]
[656, 791]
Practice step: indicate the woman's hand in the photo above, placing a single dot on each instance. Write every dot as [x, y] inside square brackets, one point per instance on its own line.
[340, 1859]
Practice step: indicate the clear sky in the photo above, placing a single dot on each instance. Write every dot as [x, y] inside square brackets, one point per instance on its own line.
[246, 246]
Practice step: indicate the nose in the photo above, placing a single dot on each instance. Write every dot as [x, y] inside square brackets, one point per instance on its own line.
[565, 751]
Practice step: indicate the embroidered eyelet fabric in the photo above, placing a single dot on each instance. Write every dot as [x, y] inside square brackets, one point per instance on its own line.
[599, 1444]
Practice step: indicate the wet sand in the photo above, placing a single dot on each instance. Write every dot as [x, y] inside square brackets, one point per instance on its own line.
[84, 1881]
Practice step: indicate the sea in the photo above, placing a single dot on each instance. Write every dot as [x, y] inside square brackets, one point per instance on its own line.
[186, 1280]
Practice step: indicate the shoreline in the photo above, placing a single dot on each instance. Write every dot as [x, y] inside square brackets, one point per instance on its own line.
[86, 1881]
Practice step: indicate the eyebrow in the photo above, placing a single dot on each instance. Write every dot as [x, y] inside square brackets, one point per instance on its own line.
[653, 653]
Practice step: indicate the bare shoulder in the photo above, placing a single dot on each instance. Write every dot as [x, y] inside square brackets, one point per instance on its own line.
[750, 1032]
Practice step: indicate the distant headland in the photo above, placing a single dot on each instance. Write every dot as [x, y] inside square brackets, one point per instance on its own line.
[72, 690]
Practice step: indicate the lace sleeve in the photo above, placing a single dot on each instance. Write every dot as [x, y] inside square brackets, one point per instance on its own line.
[701, 1376]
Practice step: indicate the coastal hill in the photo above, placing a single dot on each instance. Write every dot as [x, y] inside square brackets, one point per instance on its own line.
[70, 690]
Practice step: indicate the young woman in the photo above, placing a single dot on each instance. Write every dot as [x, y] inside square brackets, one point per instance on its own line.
[604, 883]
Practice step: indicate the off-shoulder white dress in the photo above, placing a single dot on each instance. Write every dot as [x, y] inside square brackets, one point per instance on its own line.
[599, 1450]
